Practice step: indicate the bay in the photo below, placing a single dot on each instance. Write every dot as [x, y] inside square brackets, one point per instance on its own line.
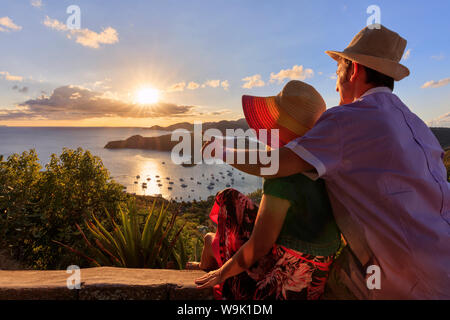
[124, 165]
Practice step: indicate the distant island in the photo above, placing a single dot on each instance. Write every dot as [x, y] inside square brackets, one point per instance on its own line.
[164, 143]
[443, 136]
[221, 125]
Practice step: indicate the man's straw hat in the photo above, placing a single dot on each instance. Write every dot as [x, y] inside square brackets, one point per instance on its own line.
[293, 111]
[379, 49]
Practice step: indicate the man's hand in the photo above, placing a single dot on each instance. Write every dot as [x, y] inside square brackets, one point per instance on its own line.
[210, 279]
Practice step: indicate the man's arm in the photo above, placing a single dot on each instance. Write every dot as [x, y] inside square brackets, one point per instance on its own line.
[289, 163]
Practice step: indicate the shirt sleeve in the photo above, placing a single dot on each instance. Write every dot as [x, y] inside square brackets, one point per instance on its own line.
[321, 147]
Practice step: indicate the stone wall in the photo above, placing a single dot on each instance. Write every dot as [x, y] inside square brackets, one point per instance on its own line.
[104, 283]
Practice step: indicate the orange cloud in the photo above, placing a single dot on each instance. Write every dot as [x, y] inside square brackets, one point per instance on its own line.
[76, 103]
[296, 73]
[85, 37]
[10, 77]
[6, 25]
[253, 81]
[436, 84]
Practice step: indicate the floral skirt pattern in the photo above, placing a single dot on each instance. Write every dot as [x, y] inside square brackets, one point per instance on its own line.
[281, 274]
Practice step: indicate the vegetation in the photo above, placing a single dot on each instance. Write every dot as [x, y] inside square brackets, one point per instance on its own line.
[136, 242]
[71, 199]
[73, 203]
[39, 206]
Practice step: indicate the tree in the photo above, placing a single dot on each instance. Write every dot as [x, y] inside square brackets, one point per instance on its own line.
[38, 206]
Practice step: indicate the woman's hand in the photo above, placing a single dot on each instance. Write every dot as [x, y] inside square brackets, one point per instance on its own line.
[210, 279]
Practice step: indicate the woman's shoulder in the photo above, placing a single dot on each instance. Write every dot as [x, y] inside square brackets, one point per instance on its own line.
[295, 180]
[289, 187]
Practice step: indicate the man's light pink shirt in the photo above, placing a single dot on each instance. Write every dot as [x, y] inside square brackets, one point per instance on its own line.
[387, 183]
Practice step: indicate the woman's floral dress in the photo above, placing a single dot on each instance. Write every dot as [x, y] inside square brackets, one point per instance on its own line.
[281, 274]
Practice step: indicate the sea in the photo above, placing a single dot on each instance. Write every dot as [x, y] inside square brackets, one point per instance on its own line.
[130, 167]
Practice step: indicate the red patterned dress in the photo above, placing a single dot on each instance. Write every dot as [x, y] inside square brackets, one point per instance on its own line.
[281, 274]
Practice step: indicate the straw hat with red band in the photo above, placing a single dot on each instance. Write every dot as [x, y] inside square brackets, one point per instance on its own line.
[293, 111]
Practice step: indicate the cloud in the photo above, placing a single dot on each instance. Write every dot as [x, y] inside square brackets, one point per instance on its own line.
[102, 85]
[441, 121]
[76, 103]
[21, 90]
[253, 81]
[6, 25]
[436, 84]
[85, 37]
[177, 87]
[225, 85]
[216, 84]
[193, 85]
[439, 57]
[212, 83]
[219, 112]
[10, 77]
[297, 72]
[406, 54]
[55, 24]
[36, 3]
[93, 39]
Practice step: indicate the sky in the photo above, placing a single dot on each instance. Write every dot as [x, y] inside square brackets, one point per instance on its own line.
[200, 56]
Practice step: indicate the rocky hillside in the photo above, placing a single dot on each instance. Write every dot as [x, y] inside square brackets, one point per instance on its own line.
[161, 143]
[221, 125]
[443, 136]
[164, 143]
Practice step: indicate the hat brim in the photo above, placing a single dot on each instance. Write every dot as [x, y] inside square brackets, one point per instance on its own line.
[391, 68]
[264, 113]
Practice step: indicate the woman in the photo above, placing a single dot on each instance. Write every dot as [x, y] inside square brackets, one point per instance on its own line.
[282, 249]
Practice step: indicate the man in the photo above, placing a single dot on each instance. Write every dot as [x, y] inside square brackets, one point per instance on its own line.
[384, 175]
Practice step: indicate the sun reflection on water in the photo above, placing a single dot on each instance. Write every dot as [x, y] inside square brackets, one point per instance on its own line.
[181, 183]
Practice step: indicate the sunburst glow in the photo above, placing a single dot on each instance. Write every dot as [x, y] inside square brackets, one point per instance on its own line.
[147, 95]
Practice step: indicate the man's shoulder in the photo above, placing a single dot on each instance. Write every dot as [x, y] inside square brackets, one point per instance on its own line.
[349, 111]
[351, 107]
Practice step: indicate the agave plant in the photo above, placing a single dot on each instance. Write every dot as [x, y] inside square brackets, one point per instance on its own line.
[130, 246]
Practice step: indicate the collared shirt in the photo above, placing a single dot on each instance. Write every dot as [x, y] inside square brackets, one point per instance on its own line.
[387, 184]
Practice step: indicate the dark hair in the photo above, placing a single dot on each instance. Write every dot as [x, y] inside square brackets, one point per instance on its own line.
[379, 79]
[374, 77]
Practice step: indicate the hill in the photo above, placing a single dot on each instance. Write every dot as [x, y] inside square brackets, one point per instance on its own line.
[443, 136]
[160, 143]
[164, 143]
[221, 125]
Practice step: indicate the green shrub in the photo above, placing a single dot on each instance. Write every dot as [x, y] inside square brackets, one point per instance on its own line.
[132, 243]
[38, 206]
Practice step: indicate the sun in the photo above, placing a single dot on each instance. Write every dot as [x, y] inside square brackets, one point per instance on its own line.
[147, 95]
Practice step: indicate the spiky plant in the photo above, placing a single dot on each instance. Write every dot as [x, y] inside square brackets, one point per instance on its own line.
[128, 245]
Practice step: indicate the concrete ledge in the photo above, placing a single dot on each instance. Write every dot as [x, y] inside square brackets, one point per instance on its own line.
[104, 283]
